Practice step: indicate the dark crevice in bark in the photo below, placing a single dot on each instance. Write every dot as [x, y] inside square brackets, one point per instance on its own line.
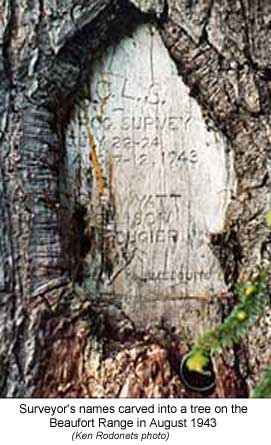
[81, 242]
[6, 45]
[241, 374]
[227, 249]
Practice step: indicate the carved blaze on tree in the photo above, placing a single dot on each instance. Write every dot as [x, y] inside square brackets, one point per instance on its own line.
[64, 331]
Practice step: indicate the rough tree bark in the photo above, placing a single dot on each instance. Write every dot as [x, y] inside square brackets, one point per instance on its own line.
[56, 338]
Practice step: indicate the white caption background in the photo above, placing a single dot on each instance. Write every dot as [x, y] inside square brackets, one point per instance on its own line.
[232, 423]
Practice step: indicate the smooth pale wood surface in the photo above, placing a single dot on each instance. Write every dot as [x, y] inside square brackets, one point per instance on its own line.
[155, 181]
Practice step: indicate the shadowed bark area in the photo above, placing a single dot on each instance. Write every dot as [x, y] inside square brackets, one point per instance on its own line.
[55, 341]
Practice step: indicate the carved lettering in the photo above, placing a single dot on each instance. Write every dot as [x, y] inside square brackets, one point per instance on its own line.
[166, 179]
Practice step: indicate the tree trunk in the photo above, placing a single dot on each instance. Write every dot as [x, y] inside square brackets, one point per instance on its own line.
[119, 243]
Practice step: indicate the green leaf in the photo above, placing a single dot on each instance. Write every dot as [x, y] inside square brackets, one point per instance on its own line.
[263, 389]
[197, 361]
[268, 218]
[251, 301]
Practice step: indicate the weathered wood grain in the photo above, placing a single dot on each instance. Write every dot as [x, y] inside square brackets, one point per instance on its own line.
[192, 16]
